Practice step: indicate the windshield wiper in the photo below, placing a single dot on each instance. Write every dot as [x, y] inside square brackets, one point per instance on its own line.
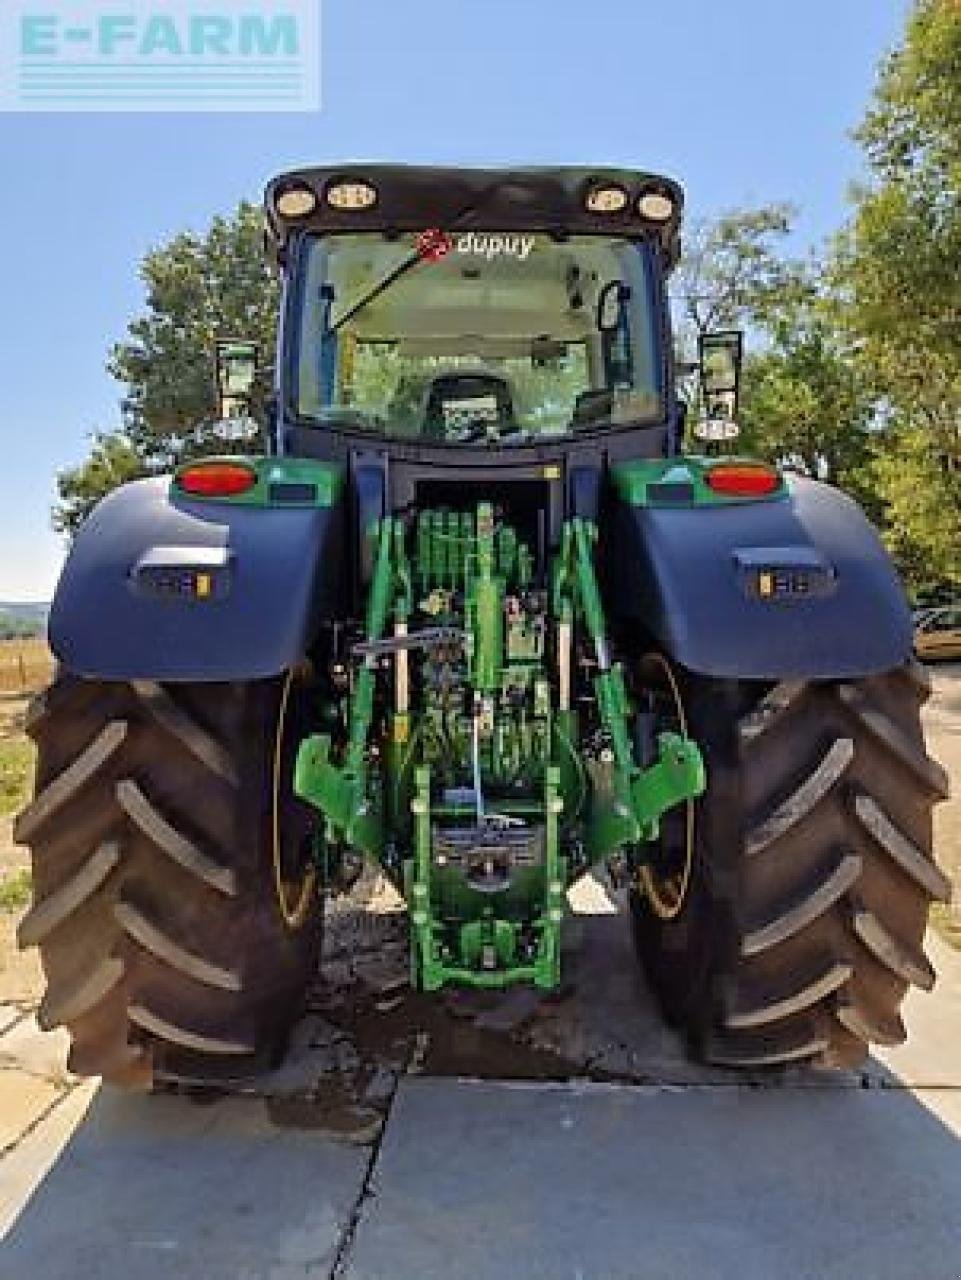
[380, 287]
[413, 259]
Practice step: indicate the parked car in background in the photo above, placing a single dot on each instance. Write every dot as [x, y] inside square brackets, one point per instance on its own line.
[937, 632]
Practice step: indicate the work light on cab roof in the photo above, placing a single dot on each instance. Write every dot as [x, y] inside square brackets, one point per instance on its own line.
[351, 195]
[394, 199]
[296, 201]
[607, 199]
[655, 205]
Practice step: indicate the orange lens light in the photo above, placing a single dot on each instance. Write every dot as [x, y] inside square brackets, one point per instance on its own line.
[742, 479]
[217, 479]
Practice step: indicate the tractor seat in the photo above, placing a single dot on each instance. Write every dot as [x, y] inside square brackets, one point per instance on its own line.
[456, 399]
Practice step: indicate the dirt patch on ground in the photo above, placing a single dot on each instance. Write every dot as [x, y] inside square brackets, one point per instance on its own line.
[363, 989]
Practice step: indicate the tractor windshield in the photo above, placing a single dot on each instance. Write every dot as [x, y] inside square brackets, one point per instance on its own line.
[474, 337]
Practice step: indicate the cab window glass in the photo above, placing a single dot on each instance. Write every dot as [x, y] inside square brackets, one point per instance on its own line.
[464, 339]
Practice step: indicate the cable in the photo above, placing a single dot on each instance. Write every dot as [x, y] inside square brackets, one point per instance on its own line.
[475, 762]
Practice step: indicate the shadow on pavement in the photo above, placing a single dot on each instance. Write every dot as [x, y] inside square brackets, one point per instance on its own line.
[486, 1181]
[152, 1187]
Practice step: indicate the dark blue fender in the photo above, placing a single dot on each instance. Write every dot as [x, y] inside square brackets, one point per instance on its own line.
[691, 576]
[127, 604]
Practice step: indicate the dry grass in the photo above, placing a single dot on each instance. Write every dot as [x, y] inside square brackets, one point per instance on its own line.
[21, 977]
[947, 924]
[15, 889]
[16, 772]
[25, 665]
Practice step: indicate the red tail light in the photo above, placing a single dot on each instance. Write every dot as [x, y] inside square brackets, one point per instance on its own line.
[742, 479]
[216, 479]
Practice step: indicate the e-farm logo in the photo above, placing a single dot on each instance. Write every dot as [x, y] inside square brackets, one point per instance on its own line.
[160, 55]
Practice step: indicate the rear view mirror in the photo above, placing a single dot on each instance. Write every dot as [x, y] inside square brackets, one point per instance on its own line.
[719, 362]
[610, 306]
[236, 377]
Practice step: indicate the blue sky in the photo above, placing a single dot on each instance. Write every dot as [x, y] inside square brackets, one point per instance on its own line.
[745, 102]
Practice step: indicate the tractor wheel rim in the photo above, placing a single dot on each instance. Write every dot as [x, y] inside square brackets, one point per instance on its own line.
[667, 892]
[294, 899]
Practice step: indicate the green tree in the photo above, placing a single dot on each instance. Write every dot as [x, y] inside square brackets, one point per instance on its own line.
[732, 271]
[198, 288]
[898, 264]
[113, 461]
[807, 403]
[733, 274]
[922, 526]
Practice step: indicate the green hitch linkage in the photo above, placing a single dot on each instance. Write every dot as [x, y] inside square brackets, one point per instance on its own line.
[630, 812]
[342, 792]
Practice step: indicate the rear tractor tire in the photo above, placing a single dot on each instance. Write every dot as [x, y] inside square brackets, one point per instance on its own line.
[790, 902]
[173, 900]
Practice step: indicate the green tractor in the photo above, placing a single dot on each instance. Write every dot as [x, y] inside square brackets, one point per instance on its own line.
[478, 617]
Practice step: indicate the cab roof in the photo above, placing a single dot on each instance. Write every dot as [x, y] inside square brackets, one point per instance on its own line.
[418, 197]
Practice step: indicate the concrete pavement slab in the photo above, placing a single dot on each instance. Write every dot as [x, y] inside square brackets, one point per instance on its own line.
[24, 1168]
[482, 1181]
[23, 1100]
[931, 1055]
[9, 1014]
[42, 1053]
[165, 1188]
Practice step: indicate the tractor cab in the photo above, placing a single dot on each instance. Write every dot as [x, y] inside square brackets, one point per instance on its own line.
[455, 309]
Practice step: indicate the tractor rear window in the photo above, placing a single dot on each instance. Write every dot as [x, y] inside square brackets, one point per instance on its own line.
[475, 337]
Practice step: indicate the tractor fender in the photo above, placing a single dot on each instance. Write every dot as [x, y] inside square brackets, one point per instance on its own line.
[830, 605]
[164, 587]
